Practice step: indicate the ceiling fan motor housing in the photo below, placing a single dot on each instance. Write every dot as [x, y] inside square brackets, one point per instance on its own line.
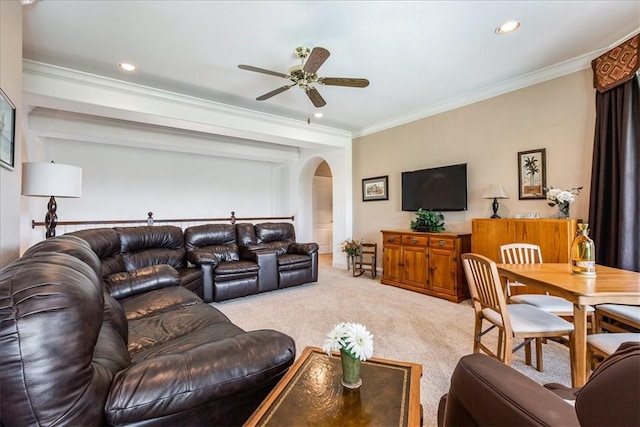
[305, 75]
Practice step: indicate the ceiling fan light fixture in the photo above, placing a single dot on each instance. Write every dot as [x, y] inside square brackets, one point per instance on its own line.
[508, 27]
[125, 66]
[318, 115]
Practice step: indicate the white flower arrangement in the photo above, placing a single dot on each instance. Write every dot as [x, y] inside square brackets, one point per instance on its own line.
[353, 338]
[557, 196]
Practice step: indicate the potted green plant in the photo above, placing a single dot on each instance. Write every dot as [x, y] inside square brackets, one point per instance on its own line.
[428, 221]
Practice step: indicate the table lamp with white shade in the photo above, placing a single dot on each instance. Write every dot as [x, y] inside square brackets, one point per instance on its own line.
[51, 180]
[495, 192]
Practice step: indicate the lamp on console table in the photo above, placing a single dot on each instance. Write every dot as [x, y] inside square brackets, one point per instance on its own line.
[51, 180]
[495, 192]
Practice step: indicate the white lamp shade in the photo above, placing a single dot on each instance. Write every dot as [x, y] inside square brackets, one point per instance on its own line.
[495, 191]
[51, 179]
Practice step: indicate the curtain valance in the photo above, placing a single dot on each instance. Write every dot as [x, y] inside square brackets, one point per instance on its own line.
[616, 66]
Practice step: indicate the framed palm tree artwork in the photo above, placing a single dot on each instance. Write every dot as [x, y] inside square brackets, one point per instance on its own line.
[532, 174]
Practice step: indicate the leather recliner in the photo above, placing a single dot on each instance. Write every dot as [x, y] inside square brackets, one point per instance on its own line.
[297, 263]
[213, 247]
[485, 391]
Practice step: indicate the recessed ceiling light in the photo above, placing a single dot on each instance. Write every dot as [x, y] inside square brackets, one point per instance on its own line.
[27, 2]
[317, 115]
[127, 67]
[508, 27]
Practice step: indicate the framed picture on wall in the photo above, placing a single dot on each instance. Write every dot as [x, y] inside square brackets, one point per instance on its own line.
[375, 188]
[7, 131]
[532, 174]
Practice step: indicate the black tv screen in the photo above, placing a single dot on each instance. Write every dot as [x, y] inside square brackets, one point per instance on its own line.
[439, 189]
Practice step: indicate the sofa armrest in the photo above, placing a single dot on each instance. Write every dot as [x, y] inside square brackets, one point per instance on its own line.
[127, 283]
[205, 371]
[267, 260]
[247, 250]
[199, 257]
[303, 248]
[485, 391]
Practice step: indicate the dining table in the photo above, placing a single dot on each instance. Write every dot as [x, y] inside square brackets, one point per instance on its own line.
[609, 285]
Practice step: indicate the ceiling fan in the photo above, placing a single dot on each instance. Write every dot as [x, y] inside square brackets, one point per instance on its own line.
[304, 75]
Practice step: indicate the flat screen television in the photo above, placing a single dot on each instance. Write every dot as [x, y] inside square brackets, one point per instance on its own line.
[439, 189]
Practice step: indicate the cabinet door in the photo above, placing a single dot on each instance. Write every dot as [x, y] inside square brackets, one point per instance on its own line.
[442, 271]
[414, 260]
[391, 262]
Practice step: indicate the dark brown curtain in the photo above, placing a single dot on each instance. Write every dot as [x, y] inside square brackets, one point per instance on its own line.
[614, 206]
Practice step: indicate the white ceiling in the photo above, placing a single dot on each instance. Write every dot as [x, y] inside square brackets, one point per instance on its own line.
[420, 57]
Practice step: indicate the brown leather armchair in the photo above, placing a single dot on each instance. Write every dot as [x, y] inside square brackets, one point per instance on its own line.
[213, 248]
[297, 263]
[486, 392]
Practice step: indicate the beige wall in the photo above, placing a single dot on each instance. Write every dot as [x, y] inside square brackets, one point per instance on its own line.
[11, 84]
[558, 115]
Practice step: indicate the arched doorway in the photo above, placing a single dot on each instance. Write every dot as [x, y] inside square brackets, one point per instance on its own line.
[322, 208]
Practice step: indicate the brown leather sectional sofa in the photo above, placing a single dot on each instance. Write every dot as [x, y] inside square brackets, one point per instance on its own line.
[105, 327]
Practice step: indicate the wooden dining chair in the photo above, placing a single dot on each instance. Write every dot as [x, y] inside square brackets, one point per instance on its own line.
[526, 253]
[602, 345]
[513, 321]
[617, 318]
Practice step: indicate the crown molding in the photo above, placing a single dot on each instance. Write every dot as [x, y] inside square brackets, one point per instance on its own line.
[549, 73]
[540, 76]
[49, 86]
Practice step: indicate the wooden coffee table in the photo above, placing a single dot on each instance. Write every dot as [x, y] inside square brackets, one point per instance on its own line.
[310, 394]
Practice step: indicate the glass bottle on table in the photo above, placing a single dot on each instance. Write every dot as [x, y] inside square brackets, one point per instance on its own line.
[583, 252]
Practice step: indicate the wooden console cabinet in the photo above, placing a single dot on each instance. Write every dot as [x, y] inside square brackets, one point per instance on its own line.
[554, 236]
[428, 263]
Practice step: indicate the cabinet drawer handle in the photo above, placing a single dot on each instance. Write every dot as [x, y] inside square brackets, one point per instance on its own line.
[391, 239]
[442, 242]
[414, 240]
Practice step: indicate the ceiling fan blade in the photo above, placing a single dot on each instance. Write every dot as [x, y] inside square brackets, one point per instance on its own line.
[262, 70]
[315, 97]
[343, 81]
[273, 93]
[315, 60]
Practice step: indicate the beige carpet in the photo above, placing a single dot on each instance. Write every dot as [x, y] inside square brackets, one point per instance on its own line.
[406, 326]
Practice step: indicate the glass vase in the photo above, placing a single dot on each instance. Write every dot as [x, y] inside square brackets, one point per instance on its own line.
[563, 210]
[350, 370]
[583, 252]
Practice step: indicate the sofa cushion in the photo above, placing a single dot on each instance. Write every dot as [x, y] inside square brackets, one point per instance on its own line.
[145, 246]
[105, 243]
[249, 268]
[275, 231]
[162, 331]
[127, 283]
[219, 240]
[204, 371]
[293, 262]
[160, 300]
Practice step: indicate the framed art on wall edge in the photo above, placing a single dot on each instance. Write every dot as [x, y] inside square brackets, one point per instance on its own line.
[375, 188]
[532, 174]
[7, 131]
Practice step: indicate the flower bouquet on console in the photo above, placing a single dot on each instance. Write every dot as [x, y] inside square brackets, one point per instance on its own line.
[562, 198]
